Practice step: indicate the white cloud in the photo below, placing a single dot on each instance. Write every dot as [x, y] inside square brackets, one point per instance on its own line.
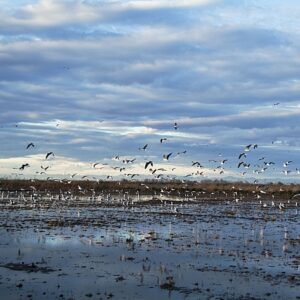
[52, 12]
[158, 4]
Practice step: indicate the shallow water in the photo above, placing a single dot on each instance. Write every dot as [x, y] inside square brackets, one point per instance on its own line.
[194, 251]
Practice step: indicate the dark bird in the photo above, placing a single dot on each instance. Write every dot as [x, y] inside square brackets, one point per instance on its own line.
[144, 148]
[255, 146]
[48, 154]
[167, 156]
[242, 155]
[128, 161]
[247, 148]
[161, 169]
[24, 166]
[133, 175]
[163, 139]
[30, 145]
[175, 126]
[276, 104]
[182, 152]
[241, 163]
[148, 163]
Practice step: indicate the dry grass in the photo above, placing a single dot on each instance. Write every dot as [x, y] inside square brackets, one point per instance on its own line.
[152, 187]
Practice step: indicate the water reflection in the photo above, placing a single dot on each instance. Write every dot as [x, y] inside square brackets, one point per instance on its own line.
[215, 250]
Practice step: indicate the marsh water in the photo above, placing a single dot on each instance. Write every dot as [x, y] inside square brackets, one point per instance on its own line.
[220, 250]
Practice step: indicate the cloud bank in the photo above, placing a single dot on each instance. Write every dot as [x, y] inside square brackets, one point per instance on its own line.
[90, 80]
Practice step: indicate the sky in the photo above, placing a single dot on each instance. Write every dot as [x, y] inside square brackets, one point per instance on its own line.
[92, 80]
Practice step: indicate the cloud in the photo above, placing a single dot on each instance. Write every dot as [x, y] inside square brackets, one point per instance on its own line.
[147, 4]
[54, 13]
[51, 13]
[117, 75]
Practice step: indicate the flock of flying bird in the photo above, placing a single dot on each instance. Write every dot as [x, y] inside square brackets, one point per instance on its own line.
[216, 166]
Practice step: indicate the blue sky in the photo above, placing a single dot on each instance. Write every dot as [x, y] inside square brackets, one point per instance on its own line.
[90, 80]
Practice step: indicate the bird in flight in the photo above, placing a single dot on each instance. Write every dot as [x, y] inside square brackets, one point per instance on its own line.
[287, 163]
[175, 126]
[143, 148]
[247, 148]
[240, 164]
[163, 139]
[197, 164]
[242, 155]
[150, 162]
[182, 152]
[48, 154]
[24, 166]
[30, 145]
[167, 156]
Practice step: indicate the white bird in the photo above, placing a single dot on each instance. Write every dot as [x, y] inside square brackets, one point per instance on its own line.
[167, 156]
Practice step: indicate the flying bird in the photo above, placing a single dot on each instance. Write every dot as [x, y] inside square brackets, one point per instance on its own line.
[167, 156]
[175, 126]
[133, 175]
[241, 163]
[24, 166]
[223, 161]
[242, 155]
[196, 163]
[247, 148]
[287, 163]
[30, 145]
[144, 148]
[163, 139]
[148, 163]
[182, 152]
[48, 154]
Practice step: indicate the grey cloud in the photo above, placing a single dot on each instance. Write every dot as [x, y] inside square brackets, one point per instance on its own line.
[148, 67]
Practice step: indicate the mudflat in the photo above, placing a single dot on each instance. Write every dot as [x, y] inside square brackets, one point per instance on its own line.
[153, 249]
